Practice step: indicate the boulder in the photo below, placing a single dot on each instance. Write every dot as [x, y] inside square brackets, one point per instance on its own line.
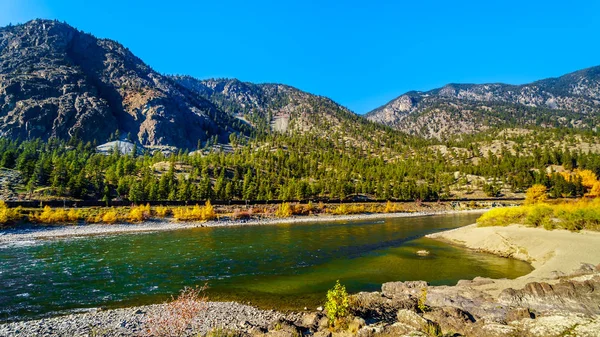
[392, 289]
[451, 319]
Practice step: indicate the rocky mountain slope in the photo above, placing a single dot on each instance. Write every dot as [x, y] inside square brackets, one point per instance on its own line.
[572, 100]
[284, 109]
[56, 81]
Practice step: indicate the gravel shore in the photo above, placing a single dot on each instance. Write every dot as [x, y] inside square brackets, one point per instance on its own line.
[131, 321]
[32, 233]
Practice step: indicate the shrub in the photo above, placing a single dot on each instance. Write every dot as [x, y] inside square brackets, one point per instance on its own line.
[309, 208]
[161, 211]
[73, 215]
[574, 216]
[337, 304]
[110, 217]
[284, 210]
[8, 215]
[239, 214]
[539, 216]
[49, 216]
[502, 216]
[196, 213]
[175, 317]
[139, 213]
[389, 207]
[135, 215]
[422, 300]
[536, 193]
[208, 212]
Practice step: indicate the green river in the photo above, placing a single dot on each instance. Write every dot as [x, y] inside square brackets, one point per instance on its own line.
[273, 266]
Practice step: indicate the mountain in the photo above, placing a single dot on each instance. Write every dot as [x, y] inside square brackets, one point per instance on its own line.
[571, 101]
[56, 81]
[287, 110]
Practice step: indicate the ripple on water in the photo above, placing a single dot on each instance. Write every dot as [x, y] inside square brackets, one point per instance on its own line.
[20, 244]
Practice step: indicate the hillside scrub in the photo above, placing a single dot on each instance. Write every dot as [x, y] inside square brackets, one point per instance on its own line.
[573, 216]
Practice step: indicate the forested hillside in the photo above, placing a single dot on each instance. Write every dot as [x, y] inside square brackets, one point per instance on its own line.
[292, 167]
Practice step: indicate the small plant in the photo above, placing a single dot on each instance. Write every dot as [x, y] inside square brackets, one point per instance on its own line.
[337, 304]
[422, 300]
[432, 329]
[389, 207]
[175, 317]
[284, 210]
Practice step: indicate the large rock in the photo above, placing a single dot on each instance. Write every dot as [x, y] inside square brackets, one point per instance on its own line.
[401, 289]
[379, 307]
[567, 295]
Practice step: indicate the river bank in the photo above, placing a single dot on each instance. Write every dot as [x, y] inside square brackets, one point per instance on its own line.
[553, 254]
[30, 233]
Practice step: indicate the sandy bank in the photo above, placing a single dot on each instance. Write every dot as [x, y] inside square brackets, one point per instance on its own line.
[48, 232]
[552, 253]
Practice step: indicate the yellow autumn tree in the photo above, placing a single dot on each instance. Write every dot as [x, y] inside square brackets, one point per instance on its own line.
[536, 193]
[595, 190]
[588, 178]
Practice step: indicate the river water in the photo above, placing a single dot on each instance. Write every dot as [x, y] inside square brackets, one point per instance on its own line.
[274, 266]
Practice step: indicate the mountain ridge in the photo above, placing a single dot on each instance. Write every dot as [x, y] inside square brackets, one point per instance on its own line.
[56, 81]
[574, 96]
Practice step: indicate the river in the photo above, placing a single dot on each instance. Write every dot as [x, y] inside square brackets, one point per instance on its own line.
[285, 266]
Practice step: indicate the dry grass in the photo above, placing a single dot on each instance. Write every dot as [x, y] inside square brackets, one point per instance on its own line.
[175, 317]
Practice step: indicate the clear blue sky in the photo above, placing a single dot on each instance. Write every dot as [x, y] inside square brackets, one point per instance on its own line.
[359, 53]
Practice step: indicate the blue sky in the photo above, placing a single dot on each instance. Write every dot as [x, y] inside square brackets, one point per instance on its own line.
[359, 53]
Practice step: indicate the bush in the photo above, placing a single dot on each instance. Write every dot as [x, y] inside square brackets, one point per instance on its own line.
[135, 215]
[50, 216]
[73, 215]
[502, 216]
[284, 210]
[389, 207]
[422, 300]
[175, 317]
[574, 216]
[139, 213]
[161, 211]
[536, 193]
[208, 212]
[344, 209]
[337, 304]
[9, 215]
[196, 213]
[110, 217]
[540, 216]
